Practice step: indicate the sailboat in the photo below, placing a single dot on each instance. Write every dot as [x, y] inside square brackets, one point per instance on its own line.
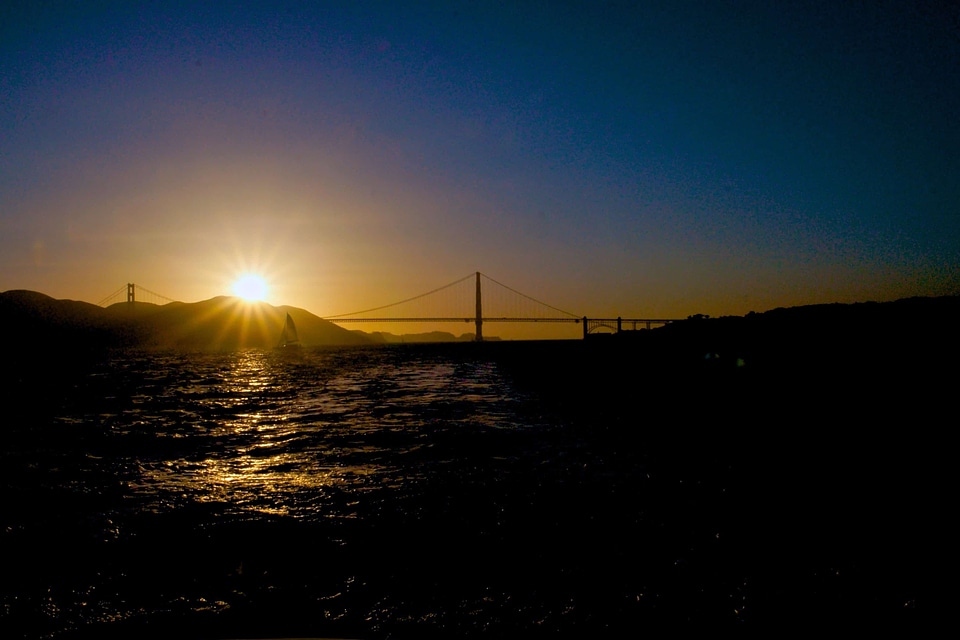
[288, 337]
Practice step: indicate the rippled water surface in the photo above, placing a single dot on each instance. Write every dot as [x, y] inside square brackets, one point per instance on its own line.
[412, 491]
[170, 489]
[268, 433]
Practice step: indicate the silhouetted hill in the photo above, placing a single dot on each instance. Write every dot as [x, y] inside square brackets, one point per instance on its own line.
[821, 337]
[226, 323]
[34, 322]
[785, 362]
[833, 364]
[383, 337]
[31, 320]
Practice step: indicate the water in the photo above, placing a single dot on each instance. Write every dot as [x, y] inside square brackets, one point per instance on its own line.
[409, 491]
[262, 433]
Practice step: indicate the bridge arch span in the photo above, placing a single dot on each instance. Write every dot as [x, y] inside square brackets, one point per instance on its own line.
[602, 326]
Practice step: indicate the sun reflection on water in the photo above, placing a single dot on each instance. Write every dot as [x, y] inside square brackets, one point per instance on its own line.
[262, 433]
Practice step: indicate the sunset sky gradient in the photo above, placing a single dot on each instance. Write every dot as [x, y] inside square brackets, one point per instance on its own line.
[649, 159]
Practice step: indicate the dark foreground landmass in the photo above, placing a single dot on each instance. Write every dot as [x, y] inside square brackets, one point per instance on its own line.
[818, 435]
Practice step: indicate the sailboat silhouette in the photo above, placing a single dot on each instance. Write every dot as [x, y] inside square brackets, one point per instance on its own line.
[288, 337]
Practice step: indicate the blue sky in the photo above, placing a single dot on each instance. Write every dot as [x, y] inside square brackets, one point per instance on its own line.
[635, 159]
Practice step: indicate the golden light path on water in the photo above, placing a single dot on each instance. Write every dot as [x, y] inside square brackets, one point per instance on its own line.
[286, 436]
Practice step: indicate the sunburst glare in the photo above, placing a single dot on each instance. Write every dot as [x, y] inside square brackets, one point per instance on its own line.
[250, 287]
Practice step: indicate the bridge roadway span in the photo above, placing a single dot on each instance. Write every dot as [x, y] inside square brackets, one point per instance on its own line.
[590, 325]
[611, 324]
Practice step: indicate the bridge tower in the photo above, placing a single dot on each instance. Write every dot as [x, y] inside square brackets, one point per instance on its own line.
[479, 319]
[131, 292]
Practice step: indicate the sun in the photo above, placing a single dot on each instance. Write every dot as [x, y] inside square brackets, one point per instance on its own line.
[250, 287]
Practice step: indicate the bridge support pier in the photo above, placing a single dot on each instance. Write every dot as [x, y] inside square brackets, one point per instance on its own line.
[584, 327]
[131, 292]
[479, 319]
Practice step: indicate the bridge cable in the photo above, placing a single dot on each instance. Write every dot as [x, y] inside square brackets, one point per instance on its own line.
[112, 295]
[155, 294]
[572, 315]
[394, 304]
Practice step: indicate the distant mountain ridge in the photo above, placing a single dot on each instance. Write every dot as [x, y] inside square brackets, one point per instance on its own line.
[34, 320]
[383, 337]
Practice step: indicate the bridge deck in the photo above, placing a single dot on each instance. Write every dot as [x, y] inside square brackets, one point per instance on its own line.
[459, 319]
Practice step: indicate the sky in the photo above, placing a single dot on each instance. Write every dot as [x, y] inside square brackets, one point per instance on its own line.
[635, 159]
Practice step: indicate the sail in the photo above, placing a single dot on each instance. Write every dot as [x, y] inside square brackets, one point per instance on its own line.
[289, 337]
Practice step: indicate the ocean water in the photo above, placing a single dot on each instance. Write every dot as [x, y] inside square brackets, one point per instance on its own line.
[415, 491]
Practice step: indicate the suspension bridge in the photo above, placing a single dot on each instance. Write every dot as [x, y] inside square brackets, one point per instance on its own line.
[134, 293]
[475, 298]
